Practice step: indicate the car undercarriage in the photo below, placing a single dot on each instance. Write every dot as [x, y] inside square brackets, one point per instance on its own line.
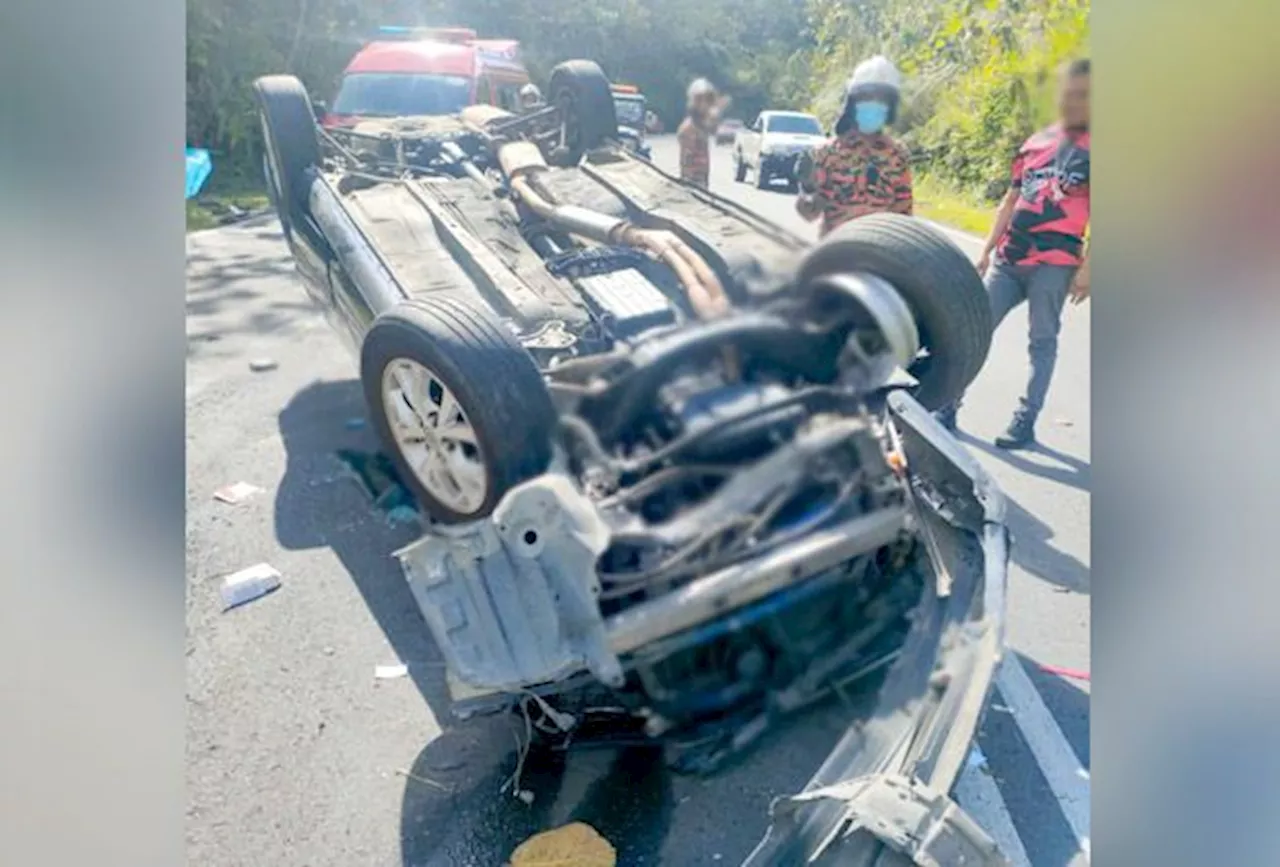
[677, 468]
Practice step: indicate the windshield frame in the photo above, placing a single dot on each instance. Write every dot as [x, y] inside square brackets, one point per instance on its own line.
[411, 85]
[799, 118]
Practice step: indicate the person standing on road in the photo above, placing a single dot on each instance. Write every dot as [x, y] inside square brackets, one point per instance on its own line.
[1038, 244]
[703, 110]
[863, 170]
[530, 98]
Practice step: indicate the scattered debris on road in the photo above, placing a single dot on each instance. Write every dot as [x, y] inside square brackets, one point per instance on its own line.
[1074, 674]
[403, 515]
[262, 365]
[235, 494]
[377, 475]
[249, 584]
[390, 672]
[574, 845]
[426, 781]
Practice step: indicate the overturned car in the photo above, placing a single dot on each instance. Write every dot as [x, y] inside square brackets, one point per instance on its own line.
[674, 479]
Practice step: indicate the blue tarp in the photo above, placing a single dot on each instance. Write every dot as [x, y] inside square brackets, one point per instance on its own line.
[199, 167]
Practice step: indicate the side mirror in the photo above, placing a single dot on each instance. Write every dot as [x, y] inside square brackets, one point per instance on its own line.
[319, 109]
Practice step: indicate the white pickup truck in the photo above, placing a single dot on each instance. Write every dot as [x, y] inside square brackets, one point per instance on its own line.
[771, 147]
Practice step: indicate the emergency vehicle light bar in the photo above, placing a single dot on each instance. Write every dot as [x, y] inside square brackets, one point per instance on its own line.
[460, 35]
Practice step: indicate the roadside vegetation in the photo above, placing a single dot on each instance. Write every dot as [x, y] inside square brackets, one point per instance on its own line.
[979, 73]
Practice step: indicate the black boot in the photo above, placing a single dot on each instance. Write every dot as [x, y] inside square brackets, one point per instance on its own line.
[1021, 432]
[947, 417]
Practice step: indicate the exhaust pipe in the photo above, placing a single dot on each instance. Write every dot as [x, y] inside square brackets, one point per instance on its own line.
[522, 162]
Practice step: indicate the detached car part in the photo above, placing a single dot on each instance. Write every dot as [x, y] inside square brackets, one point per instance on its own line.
[670, 472]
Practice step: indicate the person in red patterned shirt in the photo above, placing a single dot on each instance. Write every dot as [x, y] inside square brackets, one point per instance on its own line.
[1036, 251]
[702, 118]
[863, 170]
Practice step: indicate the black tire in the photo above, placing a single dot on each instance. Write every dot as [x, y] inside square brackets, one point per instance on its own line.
[739, 167]
[581, 91]
[495, 382]
[291, 146]
[939, 284]
[762, 177]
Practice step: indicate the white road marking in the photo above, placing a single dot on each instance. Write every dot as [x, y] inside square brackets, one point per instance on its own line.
[977, 792]
[1067, 779]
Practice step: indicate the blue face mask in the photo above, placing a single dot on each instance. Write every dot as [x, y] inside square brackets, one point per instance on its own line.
[870, 116]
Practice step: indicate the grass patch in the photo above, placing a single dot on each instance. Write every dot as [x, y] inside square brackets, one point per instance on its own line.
[938, 201]
[209, 210]
[233, 189]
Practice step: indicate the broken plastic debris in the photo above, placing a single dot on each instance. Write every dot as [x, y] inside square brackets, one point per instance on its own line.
[390, 672]
[575, 845]
[262, 365]
[1072, 673]
[403, 515]
[237, 493]
[249, 584]
[426, 781]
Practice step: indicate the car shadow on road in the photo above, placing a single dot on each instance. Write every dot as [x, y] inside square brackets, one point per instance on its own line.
[1034, 552]
[624, 794]
[1073, 472]
[453, 811]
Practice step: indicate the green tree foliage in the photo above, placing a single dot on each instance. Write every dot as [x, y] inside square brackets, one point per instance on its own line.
[979, 72]
[748, 47]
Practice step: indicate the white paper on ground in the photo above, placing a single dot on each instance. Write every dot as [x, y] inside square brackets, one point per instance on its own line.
[237, 493]
[389, 672]
[249, 584]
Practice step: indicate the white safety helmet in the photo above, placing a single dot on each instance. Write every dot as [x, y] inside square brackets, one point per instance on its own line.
[875, 78]
[700, 87]
[876, 74]
[530, 95]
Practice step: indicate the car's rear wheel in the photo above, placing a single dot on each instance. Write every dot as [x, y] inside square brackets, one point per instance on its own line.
[588, 117]
[762, 176]
[291, 147]
[459, 404]
[939, 284]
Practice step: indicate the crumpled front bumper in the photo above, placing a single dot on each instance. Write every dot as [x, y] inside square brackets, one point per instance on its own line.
[880, 797]
[781, 165]
[511, 602]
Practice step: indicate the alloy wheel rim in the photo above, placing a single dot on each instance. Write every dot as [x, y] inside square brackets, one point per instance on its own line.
[434, 435]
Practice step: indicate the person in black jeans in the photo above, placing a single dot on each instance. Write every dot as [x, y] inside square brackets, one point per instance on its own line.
[1038, 242]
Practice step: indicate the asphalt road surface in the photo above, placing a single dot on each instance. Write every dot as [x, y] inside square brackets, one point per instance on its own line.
[297, 755]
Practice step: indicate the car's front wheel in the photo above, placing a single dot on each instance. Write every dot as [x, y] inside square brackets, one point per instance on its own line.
[762, 176]
[936, 280]
[459, 404]
[291, 146]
